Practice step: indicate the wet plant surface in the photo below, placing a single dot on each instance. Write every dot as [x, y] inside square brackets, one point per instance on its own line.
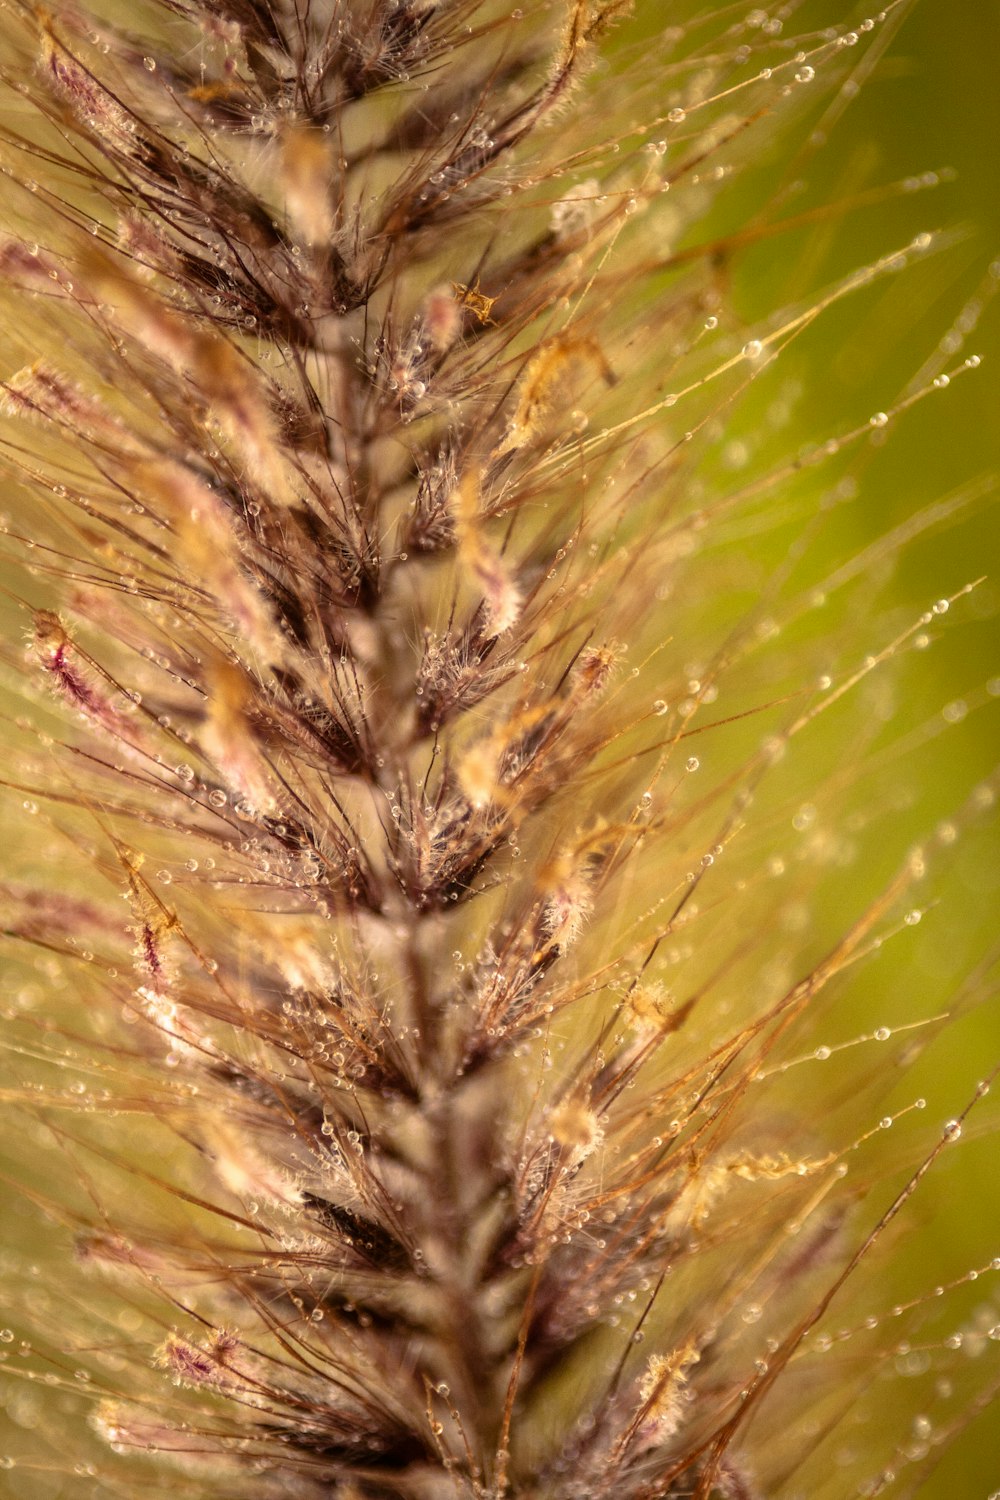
[461, 1020]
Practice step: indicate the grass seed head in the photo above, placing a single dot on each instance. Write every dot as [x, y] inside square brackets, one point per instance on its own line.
[426, 1039]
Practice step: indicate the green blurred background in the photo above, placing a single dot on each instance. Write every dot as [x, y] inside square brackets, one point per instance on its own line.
[933, 106]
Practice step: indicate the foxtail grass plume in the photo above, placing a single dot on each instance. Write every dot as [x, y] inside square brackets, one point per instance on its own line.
[453, 820]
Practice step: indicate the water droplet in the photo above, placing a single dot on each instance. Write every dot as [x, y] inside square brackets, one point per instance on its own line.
[805, 75]
[753, 349]
[952, 1130]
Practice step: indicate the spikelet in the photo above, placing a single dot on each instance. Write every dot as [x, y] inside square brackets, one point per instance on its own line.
[546, 384]
[308, 171]
[502, 599]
